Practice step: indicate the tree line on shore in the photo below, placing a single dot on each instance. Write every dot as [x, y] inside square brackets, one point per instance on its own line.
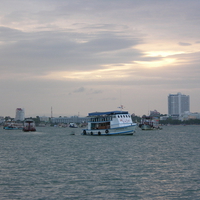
[171, 121]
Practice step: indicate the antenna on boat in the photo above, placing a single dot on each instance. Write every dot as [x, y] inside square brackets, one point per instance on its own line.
[121, 106]
[51, 112]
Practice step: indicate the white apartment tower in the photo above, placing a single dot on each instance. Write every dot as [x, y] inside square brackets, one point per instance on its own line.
[19, 116]
[178, 104]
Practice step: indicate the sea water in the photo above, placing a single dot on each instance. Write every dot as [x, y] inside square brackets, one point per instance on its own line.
[60, 163]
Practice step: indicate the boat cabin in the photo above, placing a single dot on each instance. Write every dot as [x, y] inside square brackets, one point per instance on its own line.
[107, 120]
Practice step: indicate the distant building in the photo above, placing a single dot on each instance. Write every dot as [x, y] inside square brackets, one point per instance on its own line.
[154, 113]
[67, 120]
[1, 119]
[188, 115]
[178, 104]
[44, 119]
[19, 116]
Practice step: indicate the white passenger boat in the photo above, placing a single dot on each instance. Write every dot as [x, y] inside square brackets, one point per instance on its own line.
[110, 123]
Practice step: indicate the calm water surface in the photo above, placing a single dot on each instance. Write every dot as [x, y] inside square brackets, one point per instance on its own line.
[53, 164]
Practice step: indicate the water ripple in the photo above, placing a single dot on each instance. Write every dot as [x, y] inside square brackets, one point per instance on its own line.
[53, 164]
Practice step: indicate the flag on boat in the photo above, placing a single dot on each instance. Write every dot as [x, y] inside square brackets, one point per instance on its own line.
[122, 107]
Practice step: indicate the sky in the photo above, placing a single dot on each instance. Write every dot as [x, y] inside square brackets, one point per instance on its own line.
[84, 56]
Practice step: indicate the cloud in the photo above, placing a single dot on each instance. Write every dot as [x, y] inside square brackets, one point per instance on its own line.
[81, 89]
[94, 91]
[91, 49]
[184, 44]
[43, 52]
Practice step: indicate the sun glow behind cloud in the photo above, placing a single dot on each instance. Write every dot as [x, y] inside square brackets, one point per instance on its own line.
[154, 64]
[109, 72]
[162, 53]
[125, 70]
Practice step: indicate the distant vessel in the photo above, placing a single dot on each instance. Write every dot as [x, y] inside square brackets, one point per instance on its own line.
[110, 123]
[73, 125]
[12, 126]
[149, 123]
[29, 125]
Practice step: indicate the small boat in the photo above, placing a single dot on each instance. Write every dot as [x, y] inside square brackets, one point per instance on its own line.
[12, 126]
[110, 123]
[149, 123]
[146, 126]
[73, 125]
[29, 125]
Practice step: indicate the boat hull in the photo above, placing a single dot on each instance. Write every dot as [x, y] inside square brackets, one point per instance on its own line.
[127, 130]
[146, 127]
[12, 128]
[29, 130]
[29, 125]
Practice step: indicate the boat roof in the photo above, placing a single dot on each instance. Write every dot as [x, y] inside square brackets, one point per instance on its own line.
[28, 120]
[107, 113]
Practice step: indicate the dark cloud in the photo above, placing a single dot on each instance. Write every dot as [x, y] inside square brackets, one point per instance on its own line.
[57, 51]
[95, 91]
[81, 89]
[184, 44]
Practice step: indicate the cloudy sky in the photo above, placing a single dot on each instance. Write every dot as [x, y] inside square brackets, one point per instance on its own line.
[83, 56]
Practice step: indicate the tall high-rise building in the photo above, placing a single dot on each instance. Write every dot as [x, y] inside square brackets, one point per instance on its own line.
[19, 116]
[178, 104]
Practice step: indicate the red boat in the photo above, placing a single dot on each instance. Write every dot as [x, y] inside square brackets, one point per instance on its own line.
[29, 125]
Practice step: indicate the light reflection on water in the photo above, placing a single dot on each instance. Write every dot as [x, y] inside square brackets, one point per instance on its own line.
[53, 164]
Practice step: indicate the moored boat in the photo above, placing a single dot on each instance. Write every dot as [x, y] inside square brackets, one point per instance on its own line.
[110, 123]
[73, 125]
[146, 126]
[149, 123]
[29, 125]
[12, 126]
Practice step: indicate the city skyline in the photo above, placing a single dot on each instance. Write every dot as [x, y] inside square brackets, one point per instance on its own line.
[85, 56]
[178, 105]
